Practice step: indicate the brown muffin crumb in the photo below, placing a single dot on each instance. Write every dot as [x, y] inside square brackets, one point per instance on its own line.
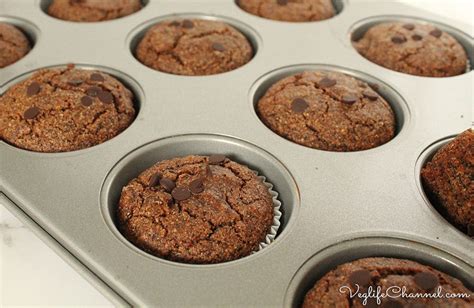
[13, 44]
[92, 10]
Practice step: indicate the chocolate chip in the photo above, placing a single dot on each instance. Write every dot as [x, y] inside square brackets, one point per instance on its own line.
[105, 97]
[392, 303]
[374, 86]
[326, 82]
[470, 230]
[93, 91]
[216, 159]
[196, 186]
[372, 303]
[416, 37]
[181, 193]
[361, 278]
[436, 33]
[86, 101]
[155, 179]
[282, 2]
[370, 95]
[167, 184]
[426, 280]
[409, 26]
[299, 105]
[175, 23]
[97, 77]
[33, 89]
[188, 24]
[397, 39]
[75, 82]
[218, 47]
[31, 113]
[417, 305]
[349, 99]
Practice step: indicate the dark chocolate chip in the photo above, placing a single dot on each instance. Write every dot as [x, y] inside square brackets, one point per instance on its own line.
[33, 89]
[75, 82]
[470, 230]
[349, 99]
[397, 39]
[175, 23]
[196, 186]
[181, 193]
[370, 95]
[416, 37]
[93, 91]
[392, 303]
[436, 33]
[374, 86]
[409, 26]
[282, 2]
[326, 82]
[216, 159]
[31, 113]
[167, 184]
[299, 105]
[372, 303]
[188, 24]
[105, 97]
[426, 280]
[155, 179]
[361, 278]
[86, 101]
[218, 47]
[97, 77]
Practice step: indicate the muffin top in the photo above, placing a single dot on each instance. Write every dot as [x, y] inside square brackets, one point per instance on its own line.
[449, 181]
[388, 274]
[289, 10]
[412, 48]
[64, 109]
[13, 44]
[196, 209]
[194, 47]
[92, 10]
[328, 111]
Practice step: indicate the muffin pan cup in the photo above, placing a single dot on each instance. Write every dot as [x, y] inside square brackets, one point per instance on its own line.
[327, 197]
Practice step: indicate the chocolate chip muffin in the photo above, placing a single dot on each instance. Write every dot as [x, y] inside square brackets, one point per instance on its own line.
[196, 209]
[194, 47]
[328, 111]
[412, 48]
[386, 273]
[289, 10]
[92, 10]
[64, 109]
[13, 44]
[448, 180]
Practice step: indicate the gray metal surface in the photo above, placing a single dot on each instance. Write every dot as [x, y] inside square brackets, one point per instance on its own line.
[328, 198]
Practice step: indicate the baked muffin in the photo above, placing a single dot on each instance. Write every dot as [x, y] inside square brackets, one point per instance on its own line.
[385, 273]
[194, 47]
[64, 109]
[196, 209]
[448, 180]
[13, 44]
[412, 48]
[328, 111]
[289, 10]
[92, 10]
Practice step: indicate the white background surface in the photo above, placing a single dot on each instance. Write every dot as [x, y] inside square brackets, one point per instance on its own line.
[31, 274]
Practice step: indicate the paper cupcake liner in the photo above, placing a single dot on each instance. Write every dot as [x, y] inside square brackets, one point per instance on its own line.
[270, 237]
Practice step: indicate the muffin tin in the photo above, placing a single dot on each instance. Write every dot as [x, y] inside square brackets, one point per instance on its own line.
[336, 206]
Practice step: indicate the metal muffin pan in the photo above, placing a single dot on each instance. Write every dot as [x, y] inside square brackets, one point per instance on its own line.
[328, 197]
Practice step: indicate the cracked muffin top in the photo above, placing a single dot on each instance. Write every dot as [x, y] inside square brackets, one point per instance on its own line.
[388, 274]
[194, 47]
[412, 48]
[92, 10]
[328, 111]
[289, 10]
[196, 209]
[64, 109]
[13, 44]
[448, 178]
